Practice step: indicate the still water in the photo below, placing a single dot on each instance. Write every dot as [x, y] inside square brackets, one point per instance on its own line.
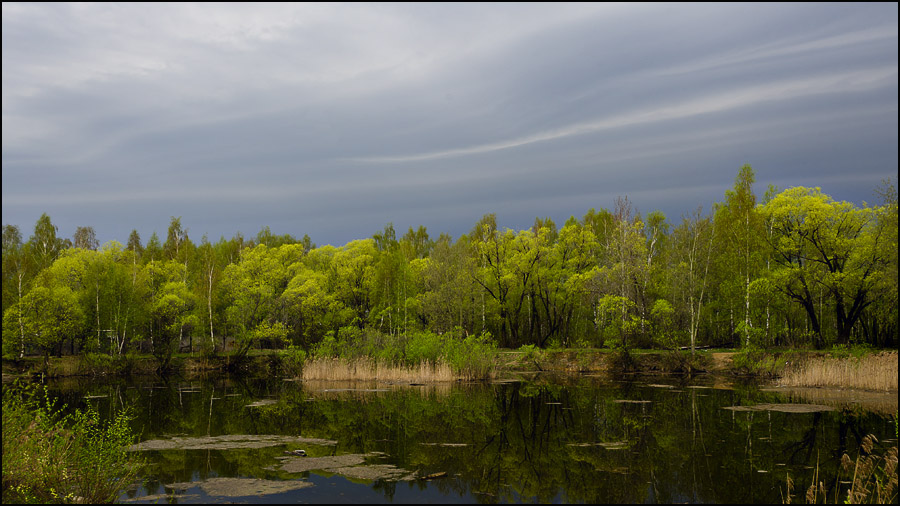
[570, 439]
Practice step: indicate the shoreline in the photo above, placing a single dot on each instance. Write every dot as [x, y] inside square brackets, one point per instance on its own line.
[789, 369]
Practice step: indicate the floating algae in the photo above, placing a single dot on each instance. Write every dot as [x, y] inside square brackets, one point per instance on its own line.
[263, 402]
[784, 408]
[228, 442]
[612, 445]
[375, 472]
[239, 487]
[349, 466]
[303, 464]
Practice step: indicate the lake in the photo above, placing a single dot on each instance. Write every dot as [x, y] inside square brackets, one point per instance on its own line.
[546, 439]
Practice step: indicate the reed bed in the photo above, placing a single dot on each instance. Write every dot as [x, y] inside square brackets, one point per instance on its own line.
[870, 372]
[366, 368]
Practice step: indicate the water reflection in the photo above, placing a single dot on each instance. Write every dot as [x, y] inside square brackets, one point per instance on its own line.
[576, 440]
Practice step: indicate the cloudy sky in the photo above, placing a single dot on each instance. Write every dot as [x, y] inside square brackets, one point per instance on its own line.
[333, 120]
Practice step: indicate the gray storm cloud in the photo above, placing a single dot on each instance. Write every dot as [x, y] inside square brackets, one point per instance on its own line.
[333, 120]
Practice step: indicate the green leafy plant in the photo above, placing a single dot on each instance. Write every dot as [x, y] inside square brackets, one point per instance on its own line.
[52, 457]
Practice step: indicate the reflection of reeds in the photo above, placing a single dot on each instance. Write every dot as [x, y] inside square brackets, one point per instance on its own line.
[365, 368]
[884, 403]
[871, 372]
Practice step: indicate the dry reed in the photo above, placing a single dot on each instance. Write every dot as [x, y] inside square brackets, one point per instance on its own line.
[870, 372]
[365, 368]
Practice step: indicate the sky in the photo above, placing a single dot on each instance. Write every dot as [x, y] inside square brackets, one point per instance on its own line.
[333, 120]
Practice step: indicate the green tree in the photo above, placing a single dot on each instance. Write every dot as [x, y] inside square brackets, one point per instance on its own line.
[253, 288]
[834, 246]
[739, 227]
[50, 315]
[44, 244]
[448, 300]
[171, 310]
[693, 242]
[626, 251]
[134, 243]
[85, 238]
[17, 270]
[175, 237]
[153, 250]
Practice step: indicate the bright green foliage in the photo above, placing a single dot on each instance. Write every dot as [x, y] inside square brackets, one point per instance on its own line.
[252, 287]
[796, 268]
[52, 457]
[49, 315]
[829, 249]
[739, 234]
[662, 318]
[353, 278]
[617, 319]
[692, 246]
[167, 305]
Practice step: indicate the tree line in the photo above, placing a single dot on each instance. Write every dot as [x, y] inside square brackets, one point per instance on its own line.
[793, 268]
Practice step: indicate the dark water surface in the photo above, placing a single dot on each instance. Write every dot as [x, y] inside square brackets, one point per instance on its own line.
[573, 439]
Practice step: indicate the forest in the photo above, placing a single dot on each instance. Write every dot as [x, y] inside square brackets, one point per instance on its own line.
[793, 268]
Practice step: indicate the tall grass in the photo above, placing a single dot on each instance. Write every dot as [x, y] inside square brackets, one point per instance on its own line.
[52, 457]
[367, 368]
[872, 478]
[869, 372]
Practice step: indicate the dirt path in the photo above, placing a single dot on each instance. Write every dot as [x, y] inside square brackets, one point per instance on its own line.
[722, 360]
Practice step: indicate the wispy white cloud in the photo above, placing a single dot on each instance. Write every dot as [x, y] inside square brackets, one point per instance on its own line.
[845, 82]
[113, 113]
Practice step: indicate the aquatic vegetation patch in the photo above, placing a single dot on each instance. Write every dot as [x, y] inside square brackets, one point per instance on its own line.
[375, 472]
[610, 445]
[228, 442]
[351, 466]
[784, 408]
[241, 487]
[262, 402]
[303, 464]
[157, 498]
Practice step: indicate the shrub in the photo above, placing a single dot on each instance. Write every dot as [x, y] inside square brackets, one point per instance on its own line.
[424, 347]
[292, 360]
[53, 457]
[472, 357]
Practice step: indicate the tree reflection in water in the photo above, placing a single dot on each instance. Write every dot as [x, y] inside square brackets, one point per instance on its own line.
[577, 440]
